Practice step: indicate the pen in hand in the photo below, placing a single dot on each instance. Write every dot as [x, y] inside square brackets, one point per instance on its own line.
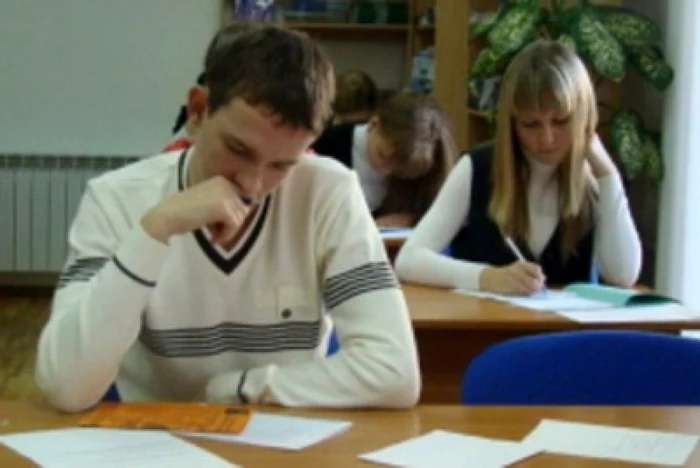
[514, 248]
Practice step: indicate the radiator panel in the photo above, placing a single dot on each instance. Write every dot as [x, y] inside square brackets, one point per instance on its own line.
[39, 197]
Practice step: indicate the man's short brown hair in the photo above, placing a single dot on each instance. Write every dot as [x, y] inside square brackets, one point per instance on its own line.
[274, 67]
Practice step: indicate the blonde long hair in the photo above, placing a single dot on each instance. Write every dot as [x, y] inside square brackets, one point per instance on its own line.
[545, 75]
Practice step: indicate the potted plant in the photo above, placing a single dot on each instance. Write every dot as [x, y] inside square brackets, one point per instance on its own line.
[610, 39]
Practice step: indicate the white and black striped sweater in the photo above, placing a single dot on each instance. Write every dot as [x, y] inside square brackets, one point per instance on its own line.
[188, 321]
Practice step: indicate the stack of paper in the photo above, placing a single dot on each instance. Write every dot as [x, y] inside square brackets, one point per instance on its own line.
[545, 301]
[283, 432]
[105, 448]
[614, 443]
[447, 449]
[450, 450]
[647, 313]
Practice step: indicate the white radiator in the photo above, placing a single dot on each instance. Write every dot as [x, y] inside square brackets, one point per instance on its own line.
[38, 199]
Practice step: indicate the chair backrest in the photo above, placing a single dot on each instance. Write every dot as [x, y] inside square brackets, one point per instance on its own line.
[587, 367]
[112, 394]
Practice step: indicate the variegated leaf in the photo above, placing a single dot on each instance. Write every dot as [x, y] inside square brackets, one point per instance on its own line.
[485, 23]
[651, 147]
[488, 63]
[516, 27]
[568, 41]
[627, 142]
[650, 64]
[601, 48]
[630, 28]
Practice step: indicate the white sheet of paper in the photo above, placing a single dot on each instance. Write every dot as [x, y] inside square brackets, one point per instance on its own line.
[450, 450]
[283, 432]
[548, 301]
[650, 313]
[611, 442]
[395, 233]
[88, 448]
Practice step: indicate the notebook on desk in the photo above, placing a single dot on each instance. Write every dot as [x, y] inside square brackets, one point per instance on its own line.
[617, 297]
[578, 296]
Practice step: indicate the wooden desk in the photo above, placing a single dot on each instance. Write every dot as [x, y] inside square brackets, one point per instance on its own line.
[452, 329]
[372, 430]
[392, 247]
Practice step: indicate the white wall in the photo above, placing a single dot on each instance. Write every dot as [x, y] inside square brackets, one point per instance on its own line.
[382, 60]
[97, 77]
[107, 77]
[678, 254]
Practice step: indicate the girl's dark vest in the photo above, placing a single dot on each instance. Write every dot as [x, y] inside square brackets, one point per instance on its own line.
[480, 240]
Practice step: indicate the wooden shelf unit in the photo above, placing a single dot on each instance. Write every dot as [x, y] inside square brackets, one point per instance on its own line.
[415, 36]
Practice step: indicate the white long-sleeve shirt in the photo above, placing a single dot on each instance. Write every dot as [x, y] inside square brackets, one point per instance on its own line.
[617, 248]
[188, 320]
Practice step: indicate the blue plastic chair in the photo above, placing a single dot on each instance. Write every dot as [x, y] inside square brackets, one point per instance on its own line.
[333, 344]
[587, 368]
[112, 394]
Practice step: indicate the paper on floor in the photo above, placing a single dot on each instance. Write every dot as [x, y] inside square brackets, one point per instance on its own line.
[105, 448]
[611, 442]
[650, 313]
[283, 432]
[451, 450]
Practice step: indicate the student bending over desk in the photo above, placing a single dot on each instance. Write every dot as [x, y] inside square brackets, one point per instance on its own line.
[402, 156]
[547, 183]
[214, 274]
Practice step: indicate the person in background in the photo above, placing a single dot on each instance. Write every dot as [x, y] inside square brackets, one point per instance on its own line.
[356, 97]
[547, 186]
[217, 273]
[401, 156]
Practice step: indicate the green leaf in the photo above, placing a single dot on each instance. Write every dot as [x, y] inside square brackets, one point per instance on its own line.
[626, 126]
[473, 87]
[528, 3]
[568, 41]
[565, 20]
[489, 63]
[650, 64]
[651, 148]
[602, 49]
[516, 27]
[629, 27]
[557, 6]
[485, 23]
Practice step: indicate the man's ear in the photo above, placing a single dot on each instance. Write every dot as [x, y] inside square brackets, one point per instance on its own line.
[197, 98]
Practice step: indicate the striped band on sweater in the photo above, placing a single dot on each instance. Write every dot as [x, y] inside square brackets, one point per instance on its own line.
[360, 280]
[81, 270]
[228, 336]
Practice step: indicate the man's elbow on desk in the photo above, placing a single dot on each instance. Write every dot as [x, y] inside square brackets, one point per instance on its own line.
[65, 397]
[399, 384]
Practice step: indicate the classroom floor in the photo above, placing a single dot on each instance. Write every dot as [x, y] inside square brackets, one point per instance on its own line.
[21, 321]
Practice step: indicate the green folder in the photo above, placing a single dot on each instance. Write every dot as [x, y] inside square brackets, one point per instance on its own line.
[618, 297]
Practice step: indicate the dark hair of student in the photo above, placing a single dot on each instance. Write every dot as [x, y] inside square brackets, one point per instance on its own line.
[355, 92]
[261, 65]
[424, 152]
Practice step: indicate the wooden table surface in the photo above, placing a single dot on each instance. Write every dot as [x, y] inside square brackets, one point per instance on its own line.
[452, 329]
[373, 430]
[442, 308]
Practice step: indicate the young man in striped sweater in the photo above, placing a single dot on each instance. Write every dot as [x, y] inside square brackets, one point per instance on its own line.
[215, 274]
